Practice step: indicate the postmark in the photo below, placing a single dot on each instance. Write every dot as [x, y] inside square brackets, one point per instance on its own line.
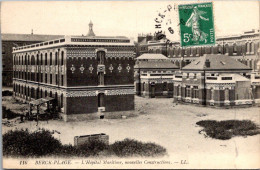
[196, 24]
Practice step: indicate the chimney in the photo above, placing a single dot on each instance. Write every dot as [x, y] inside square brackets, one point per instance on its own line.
[207, 63]
[32, 32]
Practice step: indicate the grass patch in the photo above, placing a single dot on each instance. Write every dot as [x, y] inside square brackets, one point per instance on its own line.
[229, 128]
[22, 143]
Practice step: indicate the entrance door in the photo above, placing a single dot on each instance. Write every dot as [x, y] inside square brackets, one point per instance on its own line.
[153, 90]
[101, 100]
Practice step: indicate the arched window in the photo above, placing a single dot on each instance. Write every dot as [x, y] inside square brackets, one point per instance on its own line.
[143, 88]
[25, 60]
[50, 59]
[61, 100]
[252, 45]
[46, 59]
[37, 59]
[19, 60]
[62, 57]
[28, 60]
[226, 49]
[32, 60]
[56, 58]
[235, 48]
[219, 49]
[247, 47]
[41, 63]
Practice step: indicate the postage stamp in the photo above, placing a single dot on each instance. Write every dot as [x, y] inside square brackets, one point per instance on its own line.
[196, 24]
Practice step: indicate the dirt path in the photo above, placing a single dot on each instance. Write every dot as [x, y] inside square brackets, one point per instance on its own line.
[173, 127]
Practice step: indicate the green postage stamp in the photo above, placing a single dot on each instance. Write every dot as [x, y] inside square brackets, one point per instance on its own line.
[196, 24]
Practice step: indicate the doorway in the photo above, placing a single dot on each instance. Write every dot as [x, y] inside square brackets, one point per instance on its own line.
[101, 99]
[152, 90]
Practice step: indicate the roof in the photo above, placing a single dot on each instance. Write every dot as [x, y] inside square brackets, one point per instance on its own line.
[217, 62]
[150, 56]
[237, 77]
[41, 101]
[29, 37]
[156, 65]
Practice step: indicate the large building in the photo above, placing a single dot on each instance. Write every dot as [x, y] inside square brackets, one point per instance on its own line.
[85, 74]
[216, 80]
[14, 40]
[153, 76]
[244, 48]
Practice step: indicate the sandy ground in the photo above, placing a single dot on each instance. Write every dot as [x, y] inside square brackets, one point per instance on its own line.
[173, 127]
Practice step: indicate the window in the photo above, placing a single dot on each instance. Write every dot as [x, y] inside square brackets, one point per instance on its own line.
[46, 59]
[226, 94]
[61, 80]
[37, 59]
[196, 92]
[101, 57]
[62, 57]
[56, 79]
[187, 91]
[212, 78]
[61, 101]
[41, 60]
[50, 59]
[165, 86]
[56, 58]
[50, 78]
[235, 48]
[226, 78]
[46, 78]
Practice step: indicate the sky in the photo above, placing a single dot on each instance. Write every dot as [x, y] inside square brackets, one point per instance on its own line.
[118, 18]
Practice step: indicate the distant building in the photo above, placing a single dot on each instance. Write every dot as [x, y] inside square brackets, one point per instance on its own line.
[14, 40]
[153, 76]
[216, 80]
[243, 48]
[85, 74]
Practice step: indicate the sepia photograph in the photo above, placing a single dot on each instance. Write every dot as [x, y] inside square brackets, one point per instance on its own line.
[130, 84]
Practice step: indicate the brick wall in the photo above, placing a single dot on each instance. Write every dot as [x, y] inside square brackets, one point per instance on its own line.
[119, 102]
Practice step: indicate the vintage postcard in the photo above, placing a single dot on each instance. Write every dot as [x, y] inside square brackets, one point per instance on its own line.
[130, 84]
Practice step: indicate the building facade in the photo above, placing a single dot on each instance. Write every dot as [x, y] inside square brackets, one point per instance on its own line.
[216, 80]
[14, 40]
[84, 74]
[153, 76]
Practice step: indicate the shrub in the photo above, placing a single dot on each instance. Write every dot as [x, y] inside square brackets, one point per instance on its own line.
[130, 147]
[24, 143]
[93, 147]
[227, 129]
[42, 143]
[7, 93]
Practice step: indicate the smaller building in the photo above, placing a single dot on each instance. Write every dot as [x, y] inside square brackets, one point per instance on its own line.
[153, 76]
[215, 80]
